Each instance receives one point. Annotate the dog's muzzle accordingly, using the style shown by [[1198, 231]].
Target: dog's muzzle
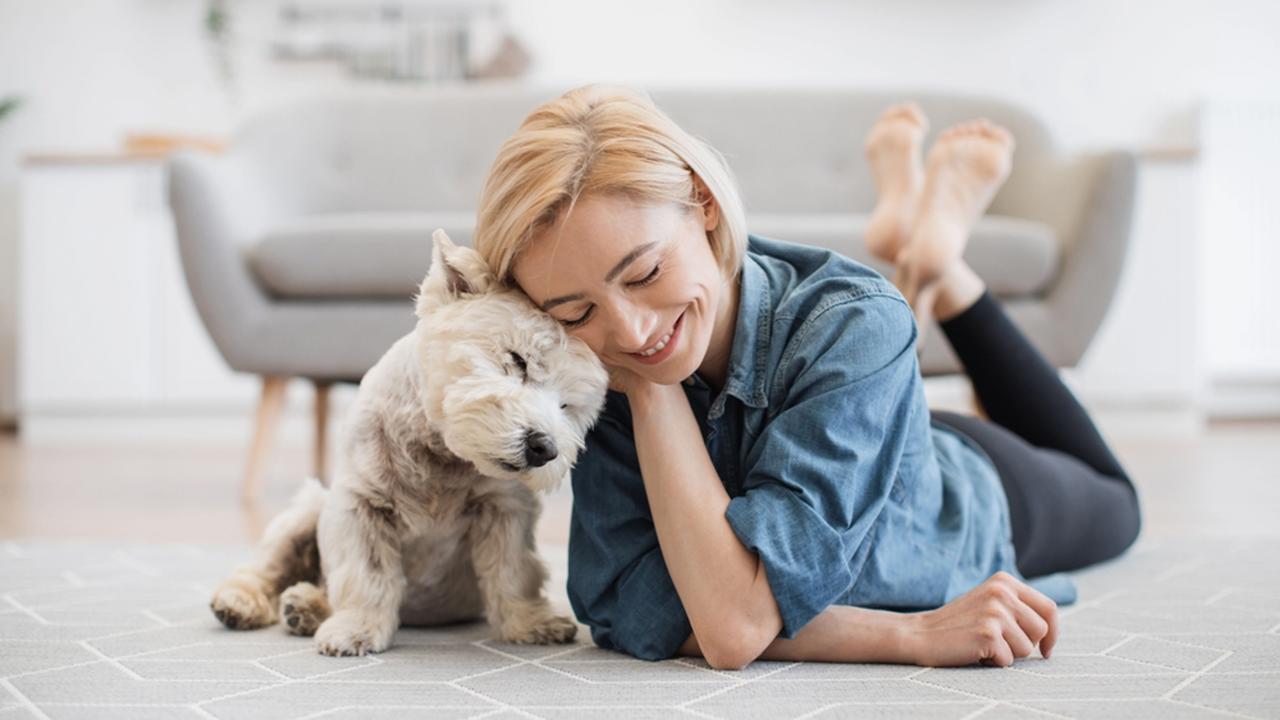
[[539, 448]]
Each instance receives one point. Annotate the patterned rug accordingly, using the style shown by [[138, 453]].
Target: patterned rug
[[1173, 629]]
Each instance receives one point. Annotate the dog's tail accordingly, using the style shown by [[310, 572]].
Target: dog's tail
[[287, 554], [303, 510], [289, 546]]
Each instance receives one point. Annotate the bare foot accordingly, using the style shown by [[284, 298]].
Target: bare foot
[[893, 152], [966, 166]]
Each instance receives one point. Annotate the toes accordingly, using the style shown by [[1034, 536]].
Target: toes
[[981, 127], [1000, 134], [891, 112], [897, 115], [903, 111], [967, 129]]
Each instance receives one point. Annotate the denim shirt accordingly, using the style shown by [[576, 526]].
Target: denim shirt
[[822, 438]]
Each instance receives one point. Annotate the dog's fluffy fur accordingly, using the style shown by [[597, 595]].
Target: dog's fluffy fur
[[431, 516]]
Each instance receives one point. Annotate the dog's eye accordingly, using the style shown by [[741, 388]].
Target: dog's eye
[[564, 407], [520, 363]]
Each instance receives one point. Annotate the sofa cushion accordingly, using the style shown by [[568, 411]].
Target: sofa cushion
[[355, 255], [386, 255], [1015, 257]]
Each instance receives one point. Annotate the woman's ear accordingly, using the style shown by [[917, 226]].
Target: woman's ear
[[710, 209]]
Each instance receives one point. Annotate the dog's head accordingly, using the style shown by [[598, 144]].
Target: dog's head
[[509, 390]]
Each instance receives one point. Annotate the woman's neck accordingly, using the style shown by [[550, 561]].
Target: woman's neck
[[715, 365]]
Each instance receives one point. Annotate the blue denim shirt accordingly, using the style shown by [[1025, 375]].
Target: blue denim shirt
[[837, 476]]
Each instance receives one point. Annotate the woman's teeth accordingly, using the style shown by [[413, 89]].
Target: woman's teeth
[[658, 347]]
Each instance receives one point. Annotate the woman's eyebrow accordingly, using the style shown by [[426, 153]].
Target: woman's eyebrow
[[615, 272], [627, 260]]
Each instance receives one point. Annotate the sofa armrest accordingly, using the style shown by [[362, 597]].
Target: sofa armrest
[[216, 209], [1093, 263]]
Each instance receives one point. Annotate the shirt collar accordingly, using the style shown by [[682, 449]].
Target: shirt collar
[[751, 335]]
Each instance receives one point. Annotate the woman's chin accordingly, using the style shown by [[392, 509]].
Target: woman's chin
[[671, 372]]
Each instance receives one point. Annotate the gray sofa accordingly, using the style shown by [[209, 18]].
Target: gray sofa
[[304, 241]]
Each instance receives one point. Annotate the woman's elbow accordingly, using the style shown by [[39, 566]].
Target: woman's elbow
[[733, 647]]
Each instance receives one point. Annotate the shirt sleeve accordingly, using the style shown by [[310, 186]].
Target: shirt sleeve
[[618, 581], [823, 466]]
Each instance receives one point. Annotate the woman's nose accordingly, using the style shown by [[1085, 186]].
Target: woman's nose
[[633, 326]]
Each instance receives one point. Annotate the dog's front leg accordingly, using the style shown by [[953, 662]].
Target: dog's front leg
[[512, 575], [360, 551]]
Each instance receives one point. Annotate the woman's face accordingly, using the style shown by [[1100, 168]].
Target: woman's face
[[638, 283]]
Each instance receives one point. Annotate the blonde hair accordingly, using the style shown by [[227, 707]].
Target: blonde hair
[[600, 139]]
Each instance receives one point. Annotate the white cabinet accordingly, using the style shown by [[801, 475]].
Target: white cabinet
[[105, 321]]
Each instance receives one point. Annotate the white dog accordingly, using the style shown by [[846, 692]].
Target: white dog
[[431, 516]]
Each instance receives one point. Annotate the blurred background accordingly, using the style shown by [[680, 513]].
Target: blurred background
[[113, 395]]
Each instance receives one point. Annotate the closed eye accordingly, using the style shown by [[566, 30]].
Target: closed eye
[[520, 362], [653, 275], [642, 282]]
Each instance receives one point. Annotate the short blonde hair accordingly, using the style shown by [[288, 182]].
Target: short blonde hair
[[600, 139]]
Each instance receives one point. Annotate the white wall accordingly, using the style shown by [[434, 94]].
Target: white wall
[[1103, 73]]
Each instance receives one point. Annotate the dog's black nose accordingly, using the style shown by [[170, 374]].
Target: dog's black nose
[[539, 448]]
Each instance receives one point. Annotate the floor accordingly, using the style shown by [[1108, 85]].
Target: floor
[[108, 555]]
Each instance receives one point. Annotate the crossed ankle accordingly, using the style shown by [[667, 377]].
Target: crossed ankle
[[958, 289]]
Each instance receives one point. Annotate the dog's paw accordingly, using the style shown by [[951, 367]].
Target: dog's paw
[[240, 606], [352, 632], [302, 608], [540, 631]]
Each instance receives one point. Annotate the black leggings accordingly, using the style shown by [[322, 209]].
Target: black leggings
[[1070, 502]]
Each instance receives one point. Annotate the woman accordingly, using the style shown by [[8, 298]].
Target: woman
[[766, 480]]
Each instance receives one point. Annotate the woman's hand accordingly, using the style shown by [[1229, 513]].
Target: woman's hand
[[993, 623], [627, 382]]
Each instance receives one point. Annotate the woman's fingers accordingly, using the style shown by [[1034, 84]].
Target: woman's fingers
[[1034, 626], [1016, 637], [1001, 653], [1027, 617], [1047, 610]]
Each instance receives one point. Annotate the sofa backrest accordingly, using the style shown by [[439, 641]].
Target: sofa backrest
[[791, 150]]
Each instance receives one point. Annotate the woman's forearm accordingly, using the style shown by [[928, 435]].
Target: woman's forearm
[[721, 583], [841, 634]]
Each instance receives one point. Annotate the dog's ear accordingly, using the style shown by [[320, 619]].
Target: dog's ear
[[455, 272]]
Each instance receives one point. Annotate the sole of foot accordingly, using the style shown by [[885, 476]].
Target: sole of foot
[[965, 168], [893, 154]]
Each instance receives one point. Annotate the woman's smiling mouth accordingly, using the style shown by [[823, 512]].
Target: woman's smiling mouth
[[662, 349]]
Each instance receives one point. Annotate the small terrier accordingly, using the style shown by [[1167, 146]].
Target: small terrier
[[431, 515]]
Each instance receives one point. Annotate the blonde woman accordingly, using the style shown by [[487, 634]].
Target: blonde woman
[[766, 480]]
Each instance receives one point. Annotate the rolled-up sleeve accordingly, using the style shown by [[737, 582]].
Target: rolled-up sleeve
[[822, 468], [618, 581]]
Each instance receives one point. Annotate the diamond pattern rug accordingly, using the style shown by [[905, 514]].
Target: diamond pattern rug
[[1173, 629]]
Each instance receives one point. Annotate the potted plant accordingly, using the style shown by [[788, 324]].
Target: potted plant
[[8, 105]]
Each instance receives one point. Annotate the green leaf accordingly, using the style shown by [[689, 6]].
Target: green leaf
[[8, 105]]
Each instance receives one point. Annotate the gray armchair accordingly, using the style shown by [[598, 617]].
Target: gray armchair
[[303, 243]]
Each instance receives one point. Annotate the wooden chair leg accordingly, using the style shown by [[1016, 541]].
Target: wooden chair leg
[[264, 429], [322, 426]]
